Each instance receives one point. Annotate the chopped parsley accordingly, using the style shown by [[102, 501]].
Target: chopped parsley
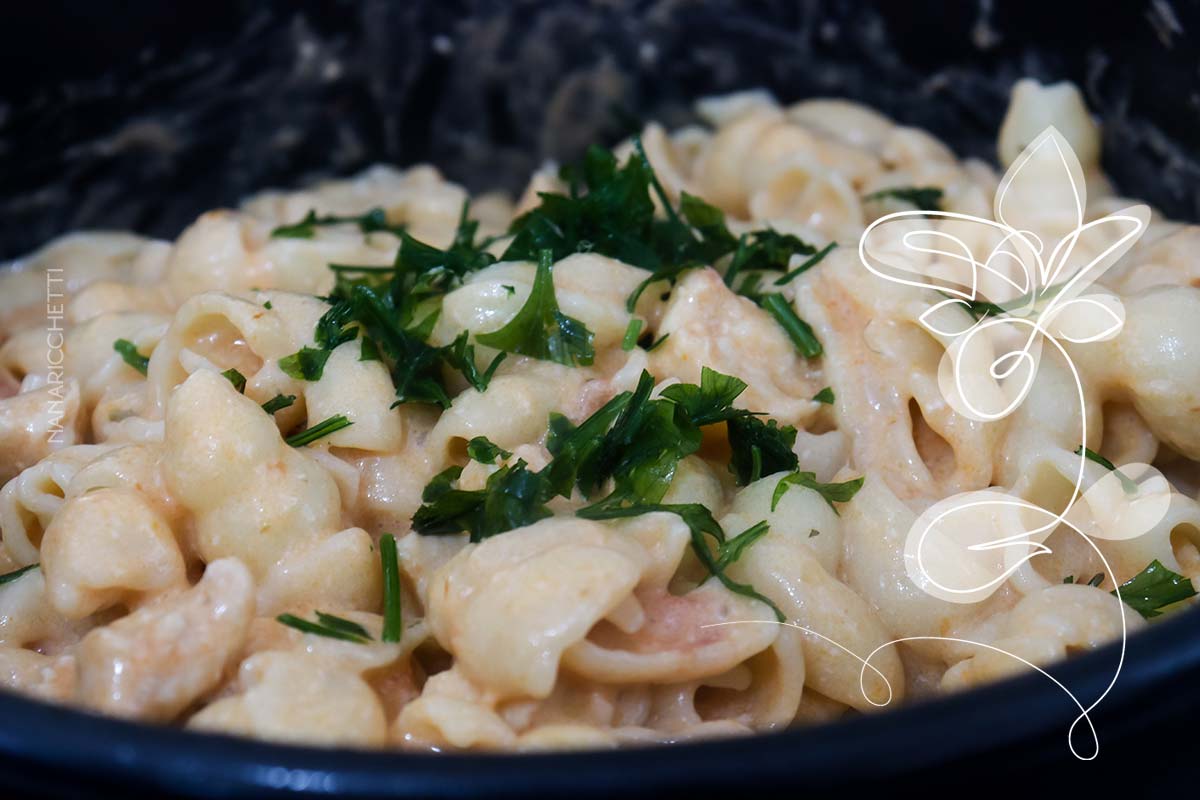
[[329, 626], [131, 356], [1128, 484], [925, 198], [485, 451], [830, 492], [236, 378], [760, 448], [825, 396], [278, 403], [657, 342], [807, 265], [513, 497], [370, 222], [267, 305], [322, 428], [609, 209], [633, 445], [539, 329], [9, 577], [712, 400], [394, 309], [390, 564], [632, 332], [1153, 589]]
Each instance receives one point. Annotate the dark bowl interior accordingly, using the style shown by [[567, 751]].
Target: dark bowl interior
[[143, 115]]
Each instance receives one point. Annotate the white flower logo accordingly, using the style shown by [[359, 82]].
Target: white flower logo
[[1011, 287]]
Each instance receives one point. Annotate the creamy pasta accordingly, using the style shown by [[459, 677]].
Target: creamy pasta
[[365, 464]]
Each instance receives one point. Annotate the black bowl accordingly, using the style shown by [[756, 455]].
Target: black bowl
[[143, 117]]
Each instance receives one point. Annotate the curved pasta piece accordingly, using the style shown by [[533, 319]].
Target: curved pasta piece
[[711, 326], [298, 698], [784, 567], [362, 392], [419, 198], [108, 547], [29, 501], [141, 666], [1042, 628], [884, 371], [229, 251], [218, 331], [252, 496], [48, 678], [27, 619], [510, 639], [37, 423]]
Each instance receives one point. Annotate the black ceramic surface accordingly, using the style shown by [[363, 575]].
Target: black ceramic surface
[[142, 115]]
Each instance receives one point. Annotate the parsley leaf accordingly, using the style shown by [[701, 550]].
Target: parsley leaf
[[322, 428], [390, 565], [513, 497], [306, 364], [460, 355], [1153, 589], [815, 259], [485, 451], [1128, 484], [632, 331], [394, 309], [329, 626], [237, 379], [731, 550], [760, 448], [712, 400], [925, 198], [370, 222], [9, 577], [825, 396], [831, 492], [540, 330], [278, 403], [131, 356]]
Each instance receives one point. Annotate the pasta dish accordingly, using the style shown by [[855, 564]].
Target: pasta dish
[[633, 458]]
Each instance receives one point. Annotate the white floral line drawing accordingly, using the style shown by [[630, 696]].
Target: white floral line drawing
[[963, 548]]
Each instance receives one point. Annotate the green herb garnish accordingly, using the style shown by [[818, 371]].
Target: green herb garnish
[[925, 198], [1128, 484], [394, 309], [540, 330], [632, 331], [712, 400], [322, 428], [831, 492], [278, 403], [390, 564], [236, 378], [329, 626], [370, 222], [131, 356], [760, 448], [1153, 589], [807, 265], [825, 396], [485, 451], [9, 577], [513, 497]]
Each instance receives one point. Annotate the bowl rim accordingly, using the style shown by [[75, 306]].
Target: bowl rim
[[89, 747]]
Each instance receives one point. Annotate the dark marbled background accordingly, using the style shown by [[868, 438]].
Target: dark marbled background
[[140, 115]]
